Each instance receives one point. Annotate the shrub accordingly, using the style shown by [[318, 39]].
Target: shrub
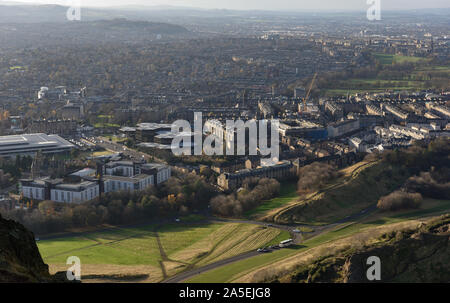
[[400, 200], [314, 176], [426, 185]]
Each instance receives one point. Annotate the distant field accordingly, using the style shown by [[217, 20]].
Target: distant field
[[388, 59], [414, 81], [183, 246], [102, 153], [104, 125], [115, 139]]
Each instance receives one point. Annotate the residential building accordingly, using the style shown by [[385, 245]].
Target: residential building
[[231, 181], [59, 191]]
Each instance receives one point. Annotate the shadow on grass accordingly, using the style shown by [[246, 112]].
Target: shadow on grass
[[124, 278]]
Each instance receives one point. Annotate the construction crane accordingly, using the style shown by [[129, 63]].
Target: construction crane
[[308, 93]]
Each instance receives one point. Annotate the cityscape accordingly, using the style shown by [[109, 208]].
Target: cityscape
[[160, 144]]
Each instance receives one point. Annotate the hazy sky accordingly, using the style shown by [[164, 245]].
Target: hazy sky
[[263, 4]]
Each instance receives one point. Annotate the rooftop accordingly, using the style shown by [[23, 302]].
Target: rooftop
[[33, 143]]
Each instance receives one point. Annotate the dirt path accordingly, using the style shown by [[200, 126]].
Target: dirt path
[[162, 254]]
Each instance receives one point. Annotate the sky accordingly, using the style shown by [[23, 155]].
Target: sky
[[261, 4]]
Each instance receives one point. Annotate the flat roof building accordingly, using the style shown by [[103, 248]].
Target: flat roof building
[[30, 144], [59, 191]]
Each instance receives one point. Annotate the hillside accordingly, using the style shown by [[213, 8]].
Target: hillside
[[49, 32], [346, 196], [421, 254], [360, 190], [20, 260]]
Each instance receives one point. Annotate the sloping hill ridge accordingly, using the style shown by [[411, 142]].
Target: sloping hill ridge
[[20, 260], [420, 255], [346, 198]]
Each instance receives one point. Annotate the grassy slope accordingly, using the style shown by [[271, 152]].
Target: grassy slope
[[288, 193], [377, 220], [347, 199]]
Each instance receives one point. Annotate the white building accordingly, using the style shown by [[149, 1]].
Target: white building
[[75, 193], [30, 144], [120, 168], [58, 191], [128, 175], [161, 172], [117, 183], [342, 128]]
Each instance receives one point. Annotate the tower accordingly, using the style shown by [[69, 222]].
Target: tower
[[36, 165]]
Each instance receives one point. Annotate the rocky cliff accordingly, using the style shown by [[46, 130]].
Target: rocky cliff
[[20, 260]]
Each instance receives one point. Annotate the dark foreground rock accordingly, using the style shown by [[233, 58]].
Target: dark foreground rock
[[20, 260]]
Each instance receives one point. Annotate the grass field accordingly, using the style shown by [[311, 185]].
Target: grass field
[[388, 59], [102, 153], [115, 139], [183, 246], [105, 125]]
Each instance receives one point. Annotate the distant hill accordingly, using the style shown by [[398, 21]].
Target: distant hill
[[122, 24], [32, 13], [25, 35]]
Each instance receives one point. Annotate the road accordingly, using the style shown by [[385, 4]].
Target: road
[[191, 273], [116, 147], [183, 276]]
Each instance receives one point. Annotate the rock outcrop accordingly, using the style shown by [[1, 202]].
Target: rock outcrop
[[20, 260]]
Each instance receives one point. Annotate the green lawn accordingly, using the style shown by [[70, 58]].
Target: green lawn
[[104, 125], [177, 237], [142, 251], [288, 192], [114, 138], [388, 59], [119, 246], [60, 246], [184, 242]]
